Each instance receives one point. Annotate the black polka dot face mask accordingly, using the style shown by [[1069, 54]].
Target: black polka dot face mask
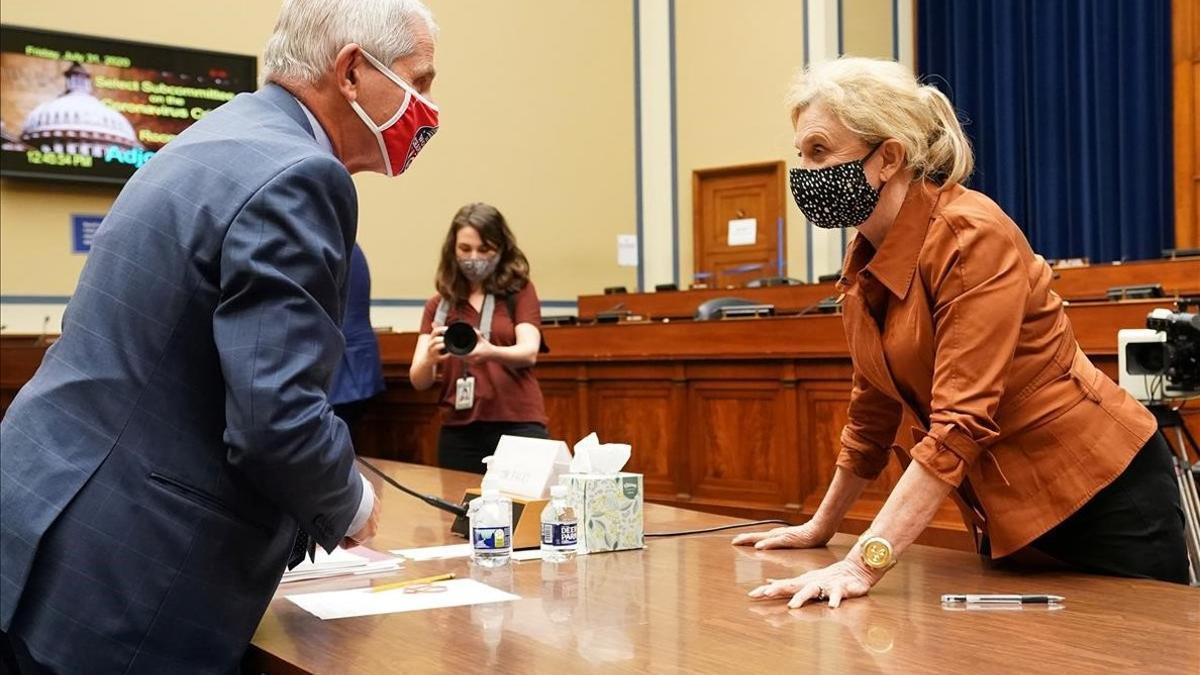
[[835, 196]]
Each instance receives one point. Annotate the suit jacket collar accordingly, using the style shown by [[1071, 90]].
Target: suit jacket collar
[[283, 99]]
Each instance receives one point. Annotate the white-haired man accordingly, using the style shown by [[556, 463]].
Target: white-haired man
[[176, 449]]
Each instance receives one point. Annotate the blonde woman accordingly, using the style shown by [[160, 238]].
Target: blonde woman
[[949, 317]]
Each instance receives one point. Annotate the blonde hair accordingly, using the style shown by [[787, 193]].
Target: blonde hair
[[878, 100]]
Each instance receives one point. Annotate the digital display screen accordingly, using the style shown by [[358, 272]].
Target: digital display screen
[[76, 107]]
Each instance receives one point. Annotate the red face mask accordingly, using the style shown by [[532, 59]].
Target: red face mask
[[401, 137]]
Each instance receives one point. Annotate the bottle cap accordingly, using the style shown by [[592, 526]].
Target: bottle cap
[[558, 491]]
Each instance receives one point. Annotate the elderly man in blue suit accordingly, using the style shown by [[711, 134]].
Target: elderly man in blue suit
[[176, 449]]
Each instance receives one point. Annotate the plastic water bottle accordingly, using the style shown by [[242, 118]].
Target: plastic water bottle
[[491, 528], [560, 527]]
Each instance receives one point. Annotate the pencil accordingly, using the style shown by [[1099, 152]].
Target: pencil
[[413, 582]]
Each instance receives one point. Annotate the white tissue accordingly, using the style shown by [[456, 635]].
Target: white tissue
[[592, 457]]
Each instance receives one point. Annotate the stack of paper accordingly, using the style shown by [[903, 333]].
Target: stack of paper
[[342, 562]]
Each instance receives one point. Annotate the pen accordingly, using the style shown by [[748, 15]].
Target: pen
[[1003, 599], [413, 582]]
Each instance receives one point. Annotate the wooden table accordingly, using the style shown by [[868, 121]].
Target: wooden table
[[680, 606]]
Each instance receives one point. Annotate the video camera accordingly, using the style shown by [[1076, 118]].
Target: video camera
[[1162, 360]]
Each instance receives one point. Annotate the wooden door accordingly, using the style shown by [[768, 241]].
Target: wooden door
[[724, 202]]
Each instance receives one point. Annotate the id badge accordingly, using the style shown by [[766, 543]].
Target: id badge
[[464, 393]]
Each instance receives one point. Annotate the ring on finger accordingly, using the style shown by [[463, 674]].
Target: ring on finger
[[821, 594]]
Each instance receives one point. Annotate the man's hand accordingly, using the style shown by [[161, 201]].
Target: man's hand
[[368, 531]]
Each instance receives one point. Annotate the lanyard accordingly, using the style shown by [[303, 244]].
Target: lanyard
[[485, 315]]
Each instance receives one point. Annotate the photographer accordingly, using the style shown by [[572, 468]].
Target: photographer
[[488, 390]]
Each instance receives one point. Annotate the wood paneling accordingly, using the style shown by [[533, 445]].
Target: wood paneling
[[564, 407], [741, 444], [683, 304], [1178, 277], [641, 414], [20, 357], [1185, 29], [400, 424], [822, 414]]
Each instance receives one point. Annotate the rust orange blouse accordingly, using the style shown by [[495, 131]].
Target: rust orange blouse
[[953, 320]]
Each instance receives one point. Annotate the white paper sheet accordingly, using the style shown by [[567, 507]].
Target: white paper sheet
[[362, 602], [743, 232], [527, 467], [627, 250], [434, 552]]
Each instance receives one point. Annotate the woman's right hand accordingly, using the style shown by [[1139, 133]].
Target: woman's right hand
[[808, 535], [437, 345]]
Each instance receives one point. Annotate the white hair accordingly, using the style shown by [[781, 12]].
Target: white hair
[[310, 33], [879, 99]]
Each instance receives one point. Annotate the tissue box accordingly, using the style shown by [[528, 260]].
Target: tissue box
[[609, 508]]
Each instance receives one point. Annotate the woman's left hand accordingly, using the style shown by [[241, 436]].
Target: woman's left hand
[[484, 351], [843, 579]]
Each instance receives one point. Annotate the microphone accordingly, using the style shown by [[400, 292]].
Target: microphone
[[435, 502], [612, 314], [43, 339]]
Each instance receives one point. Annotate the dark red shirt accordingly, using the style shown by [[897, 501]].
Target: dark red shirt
[[502, 393]]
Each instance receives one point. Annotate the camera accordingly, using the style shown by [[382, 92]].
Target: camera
[[1163, 359], [460, 338]]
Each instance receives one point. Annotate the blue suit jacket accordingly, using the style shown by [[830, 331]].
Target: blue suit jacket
[[155, 468], [360, 374]]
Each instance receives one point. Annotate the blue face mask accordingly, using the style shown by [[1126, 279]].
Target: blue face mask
[[836, 196]]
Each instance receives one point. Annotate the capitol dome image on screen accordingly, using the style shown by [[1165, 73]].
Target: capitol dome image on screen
[[76, 122]]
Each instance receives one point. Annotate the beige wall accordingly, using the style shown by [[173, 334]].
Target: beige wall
[[734, 64], [867, 28], [537, 118]]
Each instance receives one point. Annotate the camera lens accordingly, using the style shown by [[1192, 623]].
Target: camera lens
[[1147, 358], [460, 338]]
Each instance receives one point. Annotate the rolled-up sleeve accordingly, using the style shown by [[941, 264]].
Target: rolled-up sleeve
[[979, 290], [870, 431]]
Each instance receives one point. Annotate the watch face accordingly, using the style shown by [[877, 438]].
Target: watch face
[[877, 554]]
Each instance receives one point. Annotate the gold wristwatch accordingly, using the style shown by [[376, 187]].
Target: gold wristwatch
[[876, 552]]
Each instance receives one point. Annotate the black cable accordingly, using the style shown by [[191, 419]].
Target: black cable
[[435, 502], [706, 530]]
